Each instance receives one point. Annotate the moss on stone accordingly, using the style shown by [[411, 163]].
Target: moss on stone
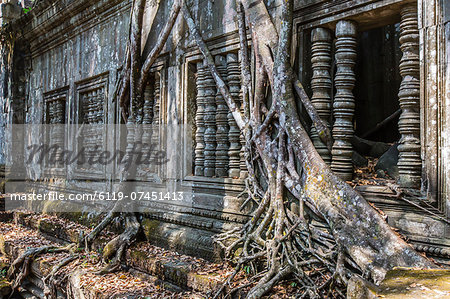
[[109, 250], [201, 282], [3, 266], [138, 255], [149, 226], [404, 283]]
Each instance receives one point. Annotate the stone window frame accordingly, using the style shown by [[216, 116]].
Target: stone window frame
[[50, 96], [372, 14], [230, 44], [160, 67], [98, 81], [367, 14]]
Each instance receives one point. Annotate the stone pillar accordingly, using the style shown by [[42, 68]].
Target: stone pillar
[[409, 162], [210, 125], [58, 133], [344, 102], [222, 123], [234, 132], [321, 84], [199, 121]]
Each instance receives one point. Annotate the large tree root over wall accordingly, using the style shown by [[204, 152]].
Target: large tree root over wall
[[292, 188]]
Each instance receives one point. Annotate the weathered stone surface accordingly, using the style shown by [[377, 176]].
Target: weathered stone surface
[[180, 238], [403, 284], [172, 270], [71, 43], [369, 148], [344, 101], [359, 160], [410, 162], [387, 164], [359, 288], [168, 270], [9, 11]]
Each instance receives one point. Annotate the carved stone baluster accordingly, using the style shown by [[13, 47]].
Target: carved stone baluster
[[242, 164], [321, 84], [131, 126], [199, 121], [51, 116], [60, 111], [84, 110], [234, 132], [148, 104], [100, 100], [92, 107], [59, 129], [51, 121], [84, 107], [222, 123], [156, 112], [157, 103], [344, 103], [92, 119], [410, 162], [99, 113], [210, 124], [147, 120]]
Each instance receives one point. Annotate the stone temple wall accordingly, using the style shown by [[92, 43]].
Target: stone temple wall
[[67, 45], [75, 44]]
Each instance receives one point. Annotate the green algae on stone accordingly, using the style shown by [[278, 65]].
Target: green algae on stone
[[403, 283], [5, 288], [149, 226]]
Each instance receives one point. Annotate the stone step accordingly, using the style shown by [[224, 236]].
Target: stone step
[[81, 278], [169, 270], [185, 271]]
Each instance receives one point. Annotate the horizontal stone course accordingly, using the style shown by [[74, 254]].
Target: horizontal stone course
[[164, 268]]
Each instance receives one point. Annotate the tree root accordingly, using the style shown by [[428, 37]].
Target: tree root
[[20, 268], [87, 240], [51, 282], [115, 249], [305, 216]]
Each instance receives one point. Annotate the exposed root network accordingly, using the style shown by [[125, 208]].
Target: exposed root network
[[307, 224]]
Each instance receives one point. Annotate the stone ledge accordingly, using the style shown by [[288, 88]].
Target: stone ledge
[[169, 271], [141, 284], [172, 270], [56, 230]]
